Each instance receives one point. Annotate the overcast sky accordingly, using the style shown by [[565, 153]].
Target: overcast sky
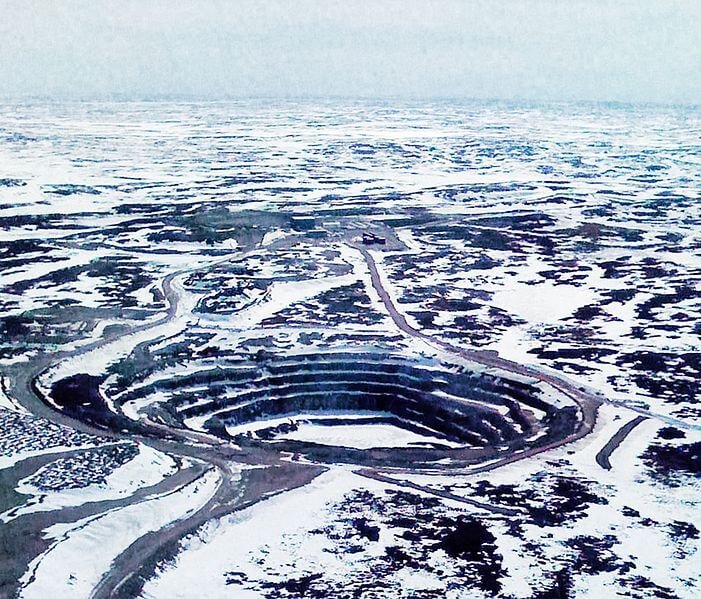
[[637, 50]]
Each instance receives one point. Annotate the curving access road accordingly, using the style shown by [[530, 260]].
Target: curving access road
[[234, 491], [588, 403]]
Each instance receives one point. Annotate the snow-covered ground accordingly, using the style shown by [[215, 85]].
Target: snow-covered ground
[[81, 552], [146, 469], [564, 237], [274, 530], [360, 436]]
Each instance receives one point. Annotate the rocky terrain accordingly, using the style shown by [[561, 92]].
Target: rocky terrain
[[292, 349]]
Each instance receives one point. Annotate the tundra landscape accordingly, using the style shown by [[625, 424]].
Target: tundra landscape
[[363, 349]]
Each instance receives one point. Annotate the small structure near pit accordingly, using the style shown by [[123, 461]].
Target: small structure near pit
[[303, 223], [372, 239]]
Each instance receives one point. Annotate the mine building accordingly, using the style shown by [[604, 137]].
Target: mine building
[[372, 239], [303, 223]]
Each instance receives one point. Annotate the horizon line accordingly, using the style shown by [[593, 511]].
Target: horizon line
[[118, 97]]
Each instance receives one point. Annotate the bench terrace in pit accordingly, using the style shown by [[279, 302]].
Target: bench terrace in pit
[[478, 415]]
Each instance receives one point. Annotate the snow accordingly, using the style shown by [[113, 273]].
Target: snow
[[271, 236], [455, 163], [7, 402], [81, 552], [282, 294], [544, 303], [95, 362], [8, 461], [625, 485], [147, 469], [360, 436], [235, 542]]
